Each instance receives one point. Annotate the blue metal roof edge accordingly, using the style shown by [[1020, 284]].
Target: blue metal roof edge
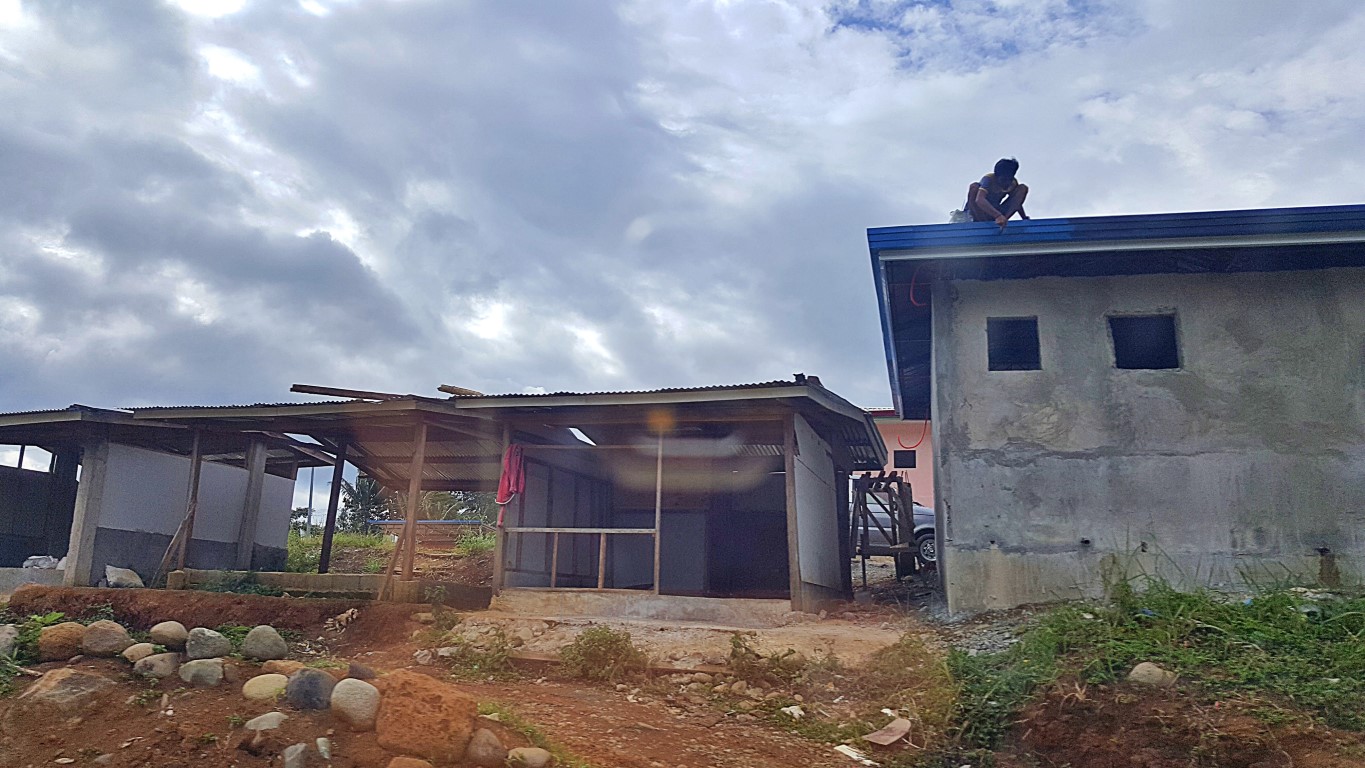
[[884, 313], [1101, 229]]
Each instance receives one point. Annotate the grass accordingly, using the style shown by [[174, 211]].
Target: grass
[[491, 657], [514, 721], [476, 544], [242, 584], [602, 653], [305, 551]]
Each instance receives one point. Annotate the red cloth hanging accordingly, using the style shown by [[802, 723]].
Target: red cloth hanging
[[513, 480]]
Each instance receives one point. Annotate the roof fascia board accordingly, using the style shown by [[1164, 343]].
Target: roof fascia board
[[884, 314], [301, 409], [631, 398], [1053, 247]]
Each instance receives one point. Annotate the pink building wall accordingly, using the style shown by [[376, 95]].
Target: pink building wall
[[899, 436]]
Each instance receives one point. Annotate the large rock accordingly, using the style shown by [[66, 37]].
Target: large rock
[[65, 690], [138, 651], [486, 750], [202, 673], [158, 665], [122, 578], [267, 722], [356, 703], [529, 757], [408, 762], [1148, 673], [284, 667], [105, 638], [60, 641], [295, 756], [9, 636], [263, 687], [264, 643], [206, 644], [422, 716], [171, 634], [310, 689]]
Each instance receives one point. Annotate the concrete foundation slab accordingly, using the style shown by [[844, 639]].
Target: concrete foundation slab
[[735, 612], [13, 578]]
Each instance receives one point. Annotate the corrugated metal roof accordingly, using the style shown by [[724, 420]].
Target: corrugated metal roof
[[663, 391]]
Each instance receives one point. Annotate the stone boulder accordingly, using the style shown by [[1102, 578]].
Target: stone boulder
[[310, 689], [486, 750], [138, 651], [284, 667], [356, 703], [105, 638], [263, 687], [66, 690], [529, 757], [9, 637], [202, 673], [171, 634], [60, 641], [408, 762], [264, 643], [203, 643], [158, 665], [1148, 673], [422, 716]]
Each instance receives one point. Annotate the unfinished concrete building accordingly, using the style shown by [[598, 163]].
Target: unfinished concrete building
[[117, 489], [629, 503], [1180, 395]]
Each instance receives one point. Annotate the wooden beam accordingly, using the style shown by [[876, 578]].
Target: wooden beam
[[333, 501], [192, 502], [499, 537], [451, 389], [554, 561], [414, 496], [251, 504], [602, 561], [350, 394]]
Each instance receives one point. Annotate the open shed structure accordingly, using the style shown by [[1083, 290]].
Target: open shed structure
[[1172, 394], [144, 495], [714, 492]]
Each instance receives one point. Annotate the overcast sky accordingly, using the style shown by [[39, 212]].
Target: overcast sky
[[206, 201]]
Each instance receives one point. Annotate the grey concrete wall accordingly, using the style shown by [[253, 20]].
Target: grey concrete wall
[[1239, 466], [23, 507]]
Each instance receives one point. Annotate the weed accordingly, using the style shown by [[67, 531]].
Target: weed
[[491, 657], [305, 551], [9, 669], [236, 634], [100, 612], [374, 565], [748, 664], [513, 721], [602, 653], [208, 739], [241, 584], [146, 696], [235, 720], [476, 544], [26, 646], [435, 595]]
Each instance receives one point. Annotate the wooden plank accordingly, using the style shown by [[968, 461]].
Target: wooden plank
[[583, 530], [554, 562], [333, 501], [414, 496], [352, 394], [500, 539]]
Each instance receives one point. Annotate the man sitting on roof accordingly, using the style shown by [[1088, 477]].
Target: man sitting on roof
[[998, 195]]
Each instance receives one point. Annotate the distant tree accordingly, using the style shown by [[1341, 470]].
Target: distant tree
[[299, 521], [364, 500], [476, 505]]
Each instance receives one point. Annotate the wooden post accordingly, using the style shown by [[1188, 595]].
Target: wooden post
[[601, 560], [251, 504], [419, 454], [393, 563], [333, 500], [793, 551], [500, 537], [192, 502], [658, 508], [80, 555], [20, 465], [554, 561]]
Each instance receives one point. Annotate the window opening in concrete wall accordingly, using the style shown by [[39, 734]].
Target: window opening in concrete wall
[[1144, 341], [903, 459], [1012, 344]]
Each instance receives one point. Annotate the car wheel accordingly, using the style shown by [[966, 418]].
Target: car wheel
[[926, 549]]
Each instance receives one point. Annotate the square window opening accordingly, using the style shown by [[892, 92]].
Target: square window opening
[[903, 459], [1144, 342], [1012, 344]]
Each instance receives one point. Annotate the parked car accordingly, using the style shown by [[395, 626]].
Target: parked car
[[924, 546]]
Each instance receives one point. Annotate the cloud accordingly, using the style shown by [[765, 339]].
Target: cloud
[[206, 202]]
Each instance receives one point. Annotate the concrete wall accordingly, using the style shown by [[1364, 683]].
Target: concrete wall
[[144, 501], [23, 505], [1240, 465], [921, 477]]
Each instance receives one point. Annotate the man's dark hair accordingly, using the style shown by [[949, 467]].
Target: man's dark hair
[[1006, 168]]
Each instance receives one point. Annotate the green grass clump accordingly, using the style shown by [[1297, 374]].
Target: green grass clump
[[602, 653], [241, 584], [476, 544], [489, 657], [533, 734], [304, 552]]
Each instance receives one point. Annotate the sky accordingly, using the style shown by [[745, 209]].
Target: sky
[[206, 201]]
